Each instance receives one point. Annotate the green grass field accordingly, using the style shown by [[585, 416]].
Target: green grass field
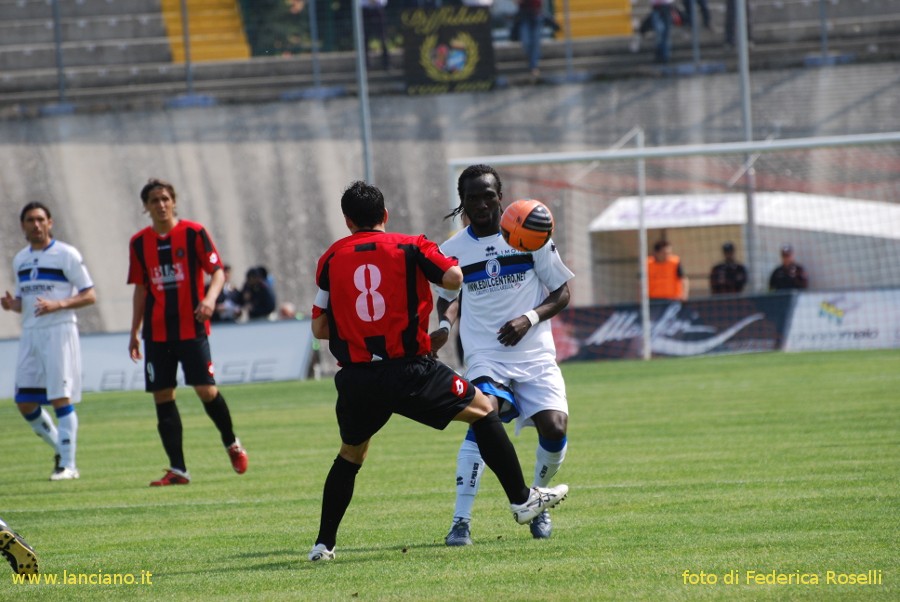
[[770, 462]]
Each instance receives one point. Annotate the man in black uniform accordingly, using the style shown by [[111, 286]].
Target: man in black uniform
[[790, 274], [728, 276]]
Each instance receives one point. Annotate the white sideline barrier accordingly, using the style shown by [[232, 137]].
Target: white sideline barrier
[[242, 353], [845, 320]]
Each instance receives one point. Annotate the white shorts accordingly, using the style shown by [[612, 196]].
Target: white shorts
[[50, 359], [537, 385]]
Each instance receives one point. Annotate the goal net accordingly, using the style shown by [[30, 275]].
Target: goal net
[[834, 201]]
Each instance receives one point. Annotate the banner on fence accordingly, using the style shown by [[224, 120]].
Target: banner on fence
[[448, 49], [845, 320], [715, 325], [242, 353]]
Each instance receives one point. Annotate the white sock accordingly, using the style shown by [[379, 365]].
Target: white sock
[[547, 465], [68, 434], [469, 467], [43, 426]]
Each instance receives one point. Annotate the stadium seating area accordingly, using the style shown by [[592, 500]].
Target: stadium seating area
[[120, 53]]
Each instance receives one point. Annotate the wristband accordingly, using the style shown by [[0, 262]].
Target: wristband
[[532, 316], [445, 324]]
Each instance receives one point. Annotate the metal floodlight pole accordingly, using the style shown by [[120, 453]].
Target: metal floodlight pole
[[646, 326], [186, 37], [695, 32], [570, 74], [57, 43], [361, 78], [750, 234], [314, 43], [823, 17]]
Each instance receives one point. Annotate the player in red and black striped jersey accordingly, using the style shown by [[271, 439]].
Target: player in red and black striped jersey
[[373, 306], [168, 264]]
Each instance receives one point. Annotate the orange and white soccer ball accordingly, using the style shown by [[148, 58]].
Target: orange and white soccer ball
[[526, 225]]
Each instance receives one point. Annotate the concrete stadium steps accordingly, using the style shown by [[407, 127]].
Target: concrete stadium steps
[[105, 52], [82, 29], [868, 27], [14, 10], [215, 27], [872, 36], [93, 32], [592, 18], [266, 79], [786, 11]]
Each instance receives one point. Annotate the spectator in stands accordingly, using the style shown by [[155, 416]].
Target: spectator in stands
[[728, 276], [790, 274], [731, 22], [375, 25], [665, 276], [259, 299], [704, 13], [661, 19], [288, 311], [229, 301], [530, 22]]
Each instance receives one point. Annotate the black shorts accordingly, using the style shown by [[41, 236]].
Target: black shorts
[[161, 361], [420, 388]]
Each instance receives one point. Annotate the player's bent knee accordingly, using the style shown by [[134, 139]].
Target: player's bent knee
[[551, 424]]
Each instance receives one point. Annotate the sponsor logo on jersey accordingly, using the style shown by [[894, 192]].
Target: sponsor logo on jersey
[[492, 267], [167, 276], [497, 283], [35, 289]]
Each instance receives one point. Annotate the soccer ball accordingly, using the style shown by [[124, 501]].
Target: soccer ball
[[526, 225]]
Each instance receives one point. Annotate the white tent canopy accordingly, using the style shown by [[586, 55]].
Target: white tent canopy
[[789, 210], [842, 242]]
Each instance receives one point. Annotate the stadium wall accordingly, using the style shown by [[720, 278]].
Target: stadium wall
[[266, 178]]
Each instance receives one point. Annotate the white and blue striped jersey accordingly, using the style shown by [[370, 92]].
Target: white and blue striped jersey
[[499, 284], [56, 272]]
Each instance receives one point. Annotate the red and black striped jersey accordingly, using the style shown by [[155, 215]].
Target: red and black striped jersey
[[379, 297], [172, 268]]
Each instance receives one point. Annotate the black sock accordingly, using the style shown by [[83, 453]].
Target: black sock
[[336, 498], [500, 456], [169, 427], [217, 409]]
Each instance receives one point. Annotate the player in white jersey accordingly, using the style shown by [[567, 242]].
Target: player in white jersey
[[51, 283], [506, 302]]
